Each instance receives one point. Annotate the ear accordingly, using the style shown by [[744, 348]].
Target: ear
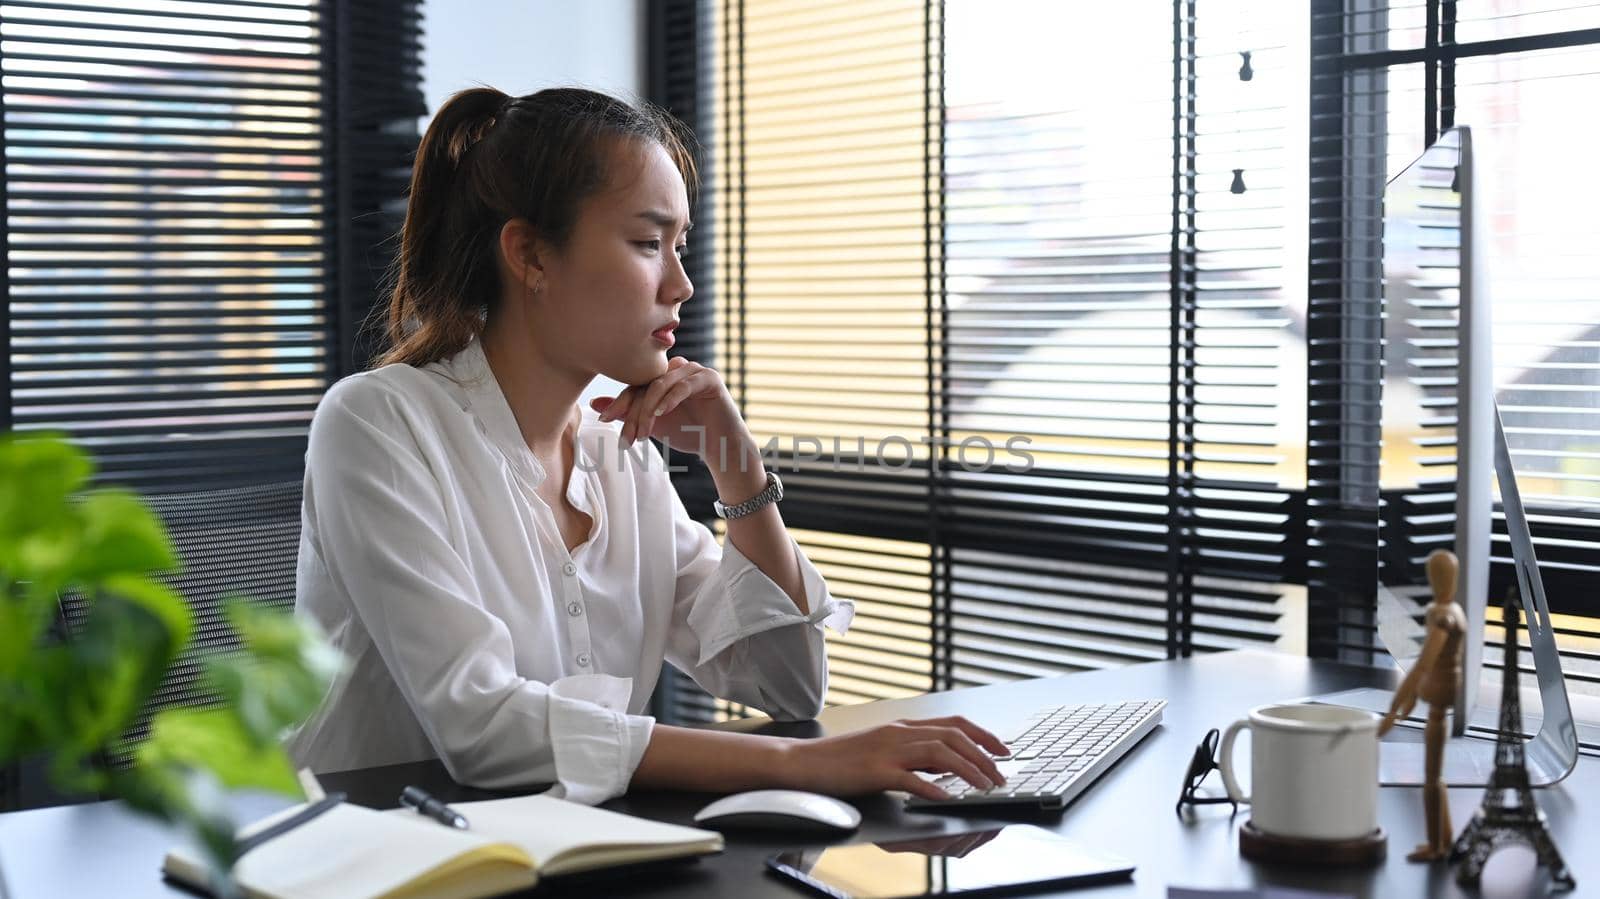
[[519, 248]]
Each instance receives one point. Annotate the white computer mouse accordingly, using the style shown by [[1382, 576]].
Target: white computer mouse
[[788, 810]]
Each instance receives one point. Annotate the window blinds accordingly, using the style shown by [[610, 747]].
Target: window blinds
[[1113, 302], [182, 189], [1386, 81], [977, 320], [824, 264]]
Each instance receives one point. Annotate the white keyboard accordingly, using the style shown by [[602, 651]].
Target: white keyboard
[[1057, 754]]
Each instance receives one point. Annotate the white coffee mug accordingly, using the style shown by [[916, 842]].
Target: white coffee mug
[[1313, 770]]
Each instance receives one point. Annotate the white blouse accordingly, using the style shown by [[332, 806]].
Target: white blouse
[[471, 634]]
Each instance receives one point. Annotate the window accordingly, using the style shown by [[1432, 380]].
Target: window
[[1101, 219], [1015, 365], [1387, 79], [195, 192]]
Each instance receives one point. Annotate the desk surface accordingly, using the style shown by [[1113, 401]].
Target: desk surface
[[100, 849]]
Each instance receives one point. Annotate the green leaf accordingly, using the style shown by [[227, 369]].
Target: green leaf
[[120, 536], [282, 678], [25, 614], [70, 698], [30, 715], [215, 740], [47, 557], [39, 472], [156, 599], [99, 681], [191, 798]]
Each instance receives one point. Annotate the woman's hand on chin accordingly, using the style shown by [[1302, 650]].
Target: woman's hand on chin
[[689, 408]]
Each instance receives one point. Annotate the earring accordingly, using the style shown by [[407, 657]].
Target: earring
[[534, 283]]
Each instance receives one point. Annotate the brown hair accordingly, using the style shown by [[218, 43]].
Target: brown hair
[[487, 158]]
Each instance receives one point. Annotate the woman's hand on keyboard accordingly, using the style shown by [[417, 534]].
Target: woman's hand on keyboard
[[887, 757]]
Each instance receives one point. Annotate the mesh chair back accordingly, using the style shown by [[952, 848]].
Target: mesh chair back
[[237, 542]]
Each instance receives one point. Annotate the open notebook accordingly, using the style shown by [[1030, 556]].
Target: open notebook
[[352, 851]]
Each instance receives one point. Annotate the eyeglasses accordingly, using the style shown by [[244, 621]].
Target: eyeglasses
[[1202, 764]]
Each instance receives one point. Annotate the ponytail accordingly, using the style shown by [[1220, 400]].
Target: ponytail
[[485, 159], [445, 256]]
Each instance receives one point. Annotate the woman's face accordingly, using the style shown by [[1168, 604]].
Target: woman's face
[[610, 297]]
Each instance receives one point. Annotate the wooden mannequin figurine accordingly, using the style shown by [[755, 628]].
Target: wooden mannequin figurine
[[1435, 678]]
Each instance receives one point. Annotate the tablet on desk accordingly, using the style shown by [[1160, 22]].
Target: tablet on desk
[[1006, 859]]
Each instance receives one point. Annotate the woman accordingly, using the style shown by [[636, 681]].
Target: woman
[[505, 571]]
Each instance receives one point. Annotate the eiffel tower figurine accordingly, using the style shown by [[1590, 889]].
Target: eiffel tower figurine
[[1508, 813]]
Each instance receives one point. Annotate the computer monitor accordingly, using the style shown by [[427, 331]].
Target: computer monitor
[[1443, 450], [1438, 396]]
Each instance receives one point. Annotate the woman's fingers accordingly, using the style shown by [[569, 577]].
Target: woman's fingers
[[642, 417], [959, 743], [675, 397], [636, 423], [663, 395], [983, 737], [941, 757], [889, 757], [619, 406], [916, 786], [636, 407], [978, 735], [654, 402]]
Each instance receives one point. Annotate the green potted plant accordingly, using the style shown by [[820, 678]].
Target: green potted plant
[[70, 697]]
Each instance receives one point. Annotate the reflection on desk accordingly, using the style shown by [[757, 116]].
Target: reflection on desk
[[1020, 855]]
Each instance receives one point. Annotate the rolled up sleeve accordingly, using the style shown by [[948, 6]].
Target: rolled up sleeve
[[382, 526], [595, 747], [740, 636]]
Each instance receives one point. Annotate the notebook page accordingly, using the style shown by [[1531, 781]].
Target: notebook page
[[566, 837], [354, 851]]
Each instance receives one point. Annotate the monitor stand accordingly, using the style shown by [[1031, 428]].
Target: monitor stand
[[1468, 762]]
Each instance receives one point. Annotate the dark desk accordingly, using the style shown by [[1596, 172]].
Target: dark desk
[[99, 849]]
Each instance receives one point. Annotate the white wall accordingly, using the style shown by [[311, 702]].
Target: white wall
[[520, 46]]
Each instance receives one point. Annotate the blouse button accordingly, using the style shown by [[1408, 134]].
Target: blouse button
[[569, 569], [574, 609], [583, 659]]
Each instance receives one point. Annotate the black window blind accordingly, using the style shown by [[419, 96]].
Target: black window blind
[[1114, 300], [1206, 432], [196, 196], [1022, 357], [824, 261]]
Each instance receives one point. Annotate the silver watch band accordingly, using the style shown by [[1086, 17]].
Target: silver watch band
[[770, 494]]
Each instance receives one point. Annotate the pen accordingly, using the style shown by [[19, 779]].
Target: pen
[[418, 798], [245, 844]]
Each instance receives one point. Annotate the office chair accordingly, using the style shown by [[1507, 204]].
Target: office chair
[[240, 541]]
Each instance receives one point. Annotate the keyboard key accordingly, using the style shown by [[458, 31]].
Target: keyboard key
[[1055, 747]]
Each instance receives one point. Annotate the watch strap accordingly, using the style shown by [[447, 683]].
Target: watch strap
[[768, 495]]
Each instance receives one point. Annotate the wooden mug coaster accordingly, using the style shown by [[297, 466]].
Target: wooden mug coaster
[[1264, 847]]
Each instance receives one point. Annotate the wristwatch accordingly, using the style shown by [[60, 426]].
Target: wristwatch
[[771, 494]]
